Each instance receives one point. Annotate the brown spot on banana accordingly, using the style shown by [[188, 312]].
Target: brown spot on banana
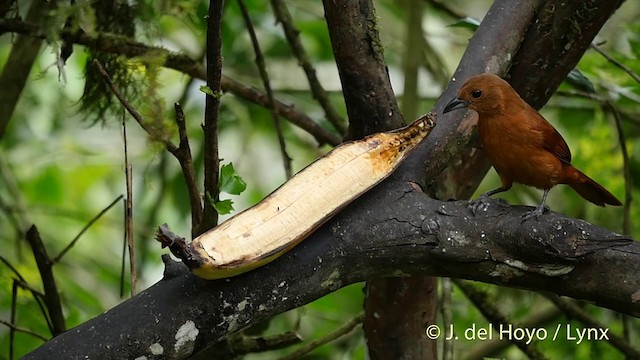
[[288, 215]]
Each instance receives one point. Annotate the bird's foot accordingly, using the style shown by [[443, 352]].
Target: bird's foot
[[479, 204], [535, 214]]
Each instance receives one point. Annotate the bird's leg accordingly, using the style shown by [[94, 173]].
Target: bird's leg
[[481, 202], [539, 210]]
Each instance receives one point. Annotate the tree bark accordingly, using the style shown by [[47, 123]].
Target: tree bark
[[412, 235], [371, 103], [396, 309], [561, 33]]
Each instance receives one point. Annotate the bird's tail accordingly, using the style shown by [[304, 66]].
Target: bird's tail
[[589, 189]]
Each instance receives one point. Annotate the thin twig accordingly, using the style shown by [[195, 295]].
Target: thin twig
[[575, 312], [617, 63], [51, 295], [255, 344], [292, 34], [123, 261], [12, 329], [434, 63], [297, 118], [262, 69], [128, 218], [626, 169], [37, 296], [211, 116], [480, 300], [634, 118], [341, 331], [630, 116], [183, 154], [84, 229], [581, 94], [23, 330], [130, 109], [36, 293], [11, 267]]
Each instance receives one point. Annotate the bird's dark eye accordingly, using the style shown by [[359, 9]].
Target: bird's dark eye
[[476, 93]]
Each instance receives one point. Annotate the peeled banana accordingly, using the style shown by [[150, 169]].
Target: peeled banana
[[288, 215]]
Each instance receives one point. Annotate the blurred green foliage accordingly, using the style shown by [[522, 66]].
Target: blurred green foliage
[[58, 172]]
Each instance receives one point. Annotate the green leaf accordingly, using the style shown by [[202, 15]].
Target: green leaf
[[468, 22], [223, 207], [230, 181], [207, 90], [579, 81]]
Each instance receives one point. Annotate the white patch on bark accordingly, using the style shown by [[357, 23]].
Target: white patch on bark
[[186, 337]]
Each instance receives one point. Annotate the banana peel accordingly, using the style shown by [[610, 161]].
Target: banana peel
[[284, 218]]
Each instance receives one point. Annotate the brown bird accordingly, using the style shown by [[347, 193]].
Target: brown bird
[[521, 145]]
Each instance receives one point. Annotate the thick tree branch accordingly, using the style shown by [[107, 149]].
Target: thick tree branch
[[413, 234], [371, 103], [561, 33]]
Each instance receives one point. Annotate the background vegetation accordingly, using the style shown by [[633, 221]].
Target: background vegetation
[[62, 157]]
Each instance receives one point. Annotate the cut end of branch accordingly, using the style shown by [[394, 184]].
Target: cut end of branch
[[169, 239], [179, 248]]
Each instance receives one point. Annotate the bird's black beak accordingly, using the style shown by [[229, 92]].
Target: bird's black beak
[[455, 103]]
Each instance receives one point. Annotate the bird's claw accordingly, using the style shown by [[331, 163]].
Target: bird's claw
[[479, 204], [535, 214]]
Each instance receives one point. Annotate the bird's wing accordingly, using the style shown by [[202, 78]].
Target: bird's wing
[[552, 141]]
